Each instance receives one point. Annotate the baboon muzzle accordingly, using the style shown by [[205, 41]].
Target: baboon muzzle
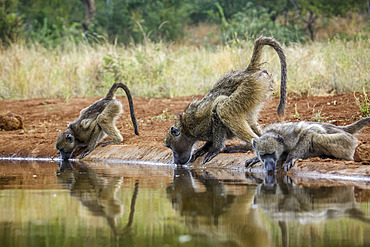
[[65, 156], [269, 164], [180, 159]]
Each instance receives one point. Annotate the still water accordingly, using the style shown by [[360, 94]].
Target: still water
[[101, 204]]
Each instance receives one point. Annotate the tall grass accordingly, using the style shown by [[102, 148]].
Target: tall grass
[[168, 70]]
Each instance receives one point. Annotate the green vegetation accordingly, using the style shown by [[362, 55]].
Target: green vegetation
[[51, 23], [363, 104], [168, 70], [168, 48], [317, 117]]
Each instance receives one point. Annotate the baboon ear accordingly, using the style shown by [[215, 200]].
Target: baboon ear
[[280, 139], [254, 142], [70, 138], [174, 131]]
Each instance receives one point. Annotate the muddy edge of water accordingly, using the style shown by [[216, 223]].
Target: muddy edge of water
[[311, 171]]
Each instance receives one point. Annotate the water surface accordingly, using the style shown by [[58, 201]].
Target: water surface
[[102, 204]]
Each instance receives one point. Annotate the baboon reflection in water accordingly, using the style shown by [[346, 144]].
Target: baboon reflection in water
[[97, 193]]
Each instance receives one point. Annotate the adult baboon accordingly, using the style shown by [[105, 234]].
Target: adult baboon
[[229, 109]]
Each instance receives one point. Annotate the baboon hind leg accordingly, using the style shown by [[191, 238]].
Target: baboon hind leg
[[246, 146], [241, 129], [234, 116], [106, 121], [340, 145]]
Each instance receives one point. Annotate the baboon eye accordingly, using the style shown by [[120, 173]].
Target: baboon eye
[[70, 138], [280, 139], [174, 131]]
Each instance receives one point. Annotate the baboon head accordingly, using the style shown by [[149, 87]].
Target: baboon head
[[180, 143], [65, 145], [268, 148]]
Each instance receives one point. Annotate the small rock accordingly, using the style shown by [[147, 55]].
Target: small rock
[[362, 152], [10, 121]]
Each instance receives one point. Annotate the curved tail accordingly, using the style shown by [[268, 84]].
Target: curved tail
[[256, 64], [356, 126], [111, 94]]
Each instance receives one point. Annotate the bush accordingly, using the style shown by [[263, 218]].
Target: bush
[[254, 21], [10, 21]]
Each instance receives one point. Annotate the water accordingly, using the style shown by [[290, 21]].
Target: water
[[102, 204]]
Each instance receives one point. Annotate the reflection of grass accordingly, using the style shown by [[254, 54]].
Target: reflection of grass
[[167, 70]]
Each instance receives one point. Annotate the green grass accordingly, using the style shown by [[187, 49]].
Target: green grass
[[167, 70], [363, 104]]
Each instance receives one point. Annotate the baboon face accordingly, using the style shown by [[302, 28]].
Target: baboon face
[[180, 144], [65, 145], [268, 148]]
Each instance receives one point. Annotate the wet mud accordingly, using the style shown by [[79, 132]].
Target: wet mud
[[44, 119]]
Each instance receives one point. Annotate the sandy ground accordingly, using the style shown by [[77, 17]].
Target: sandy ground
[[45, 119]]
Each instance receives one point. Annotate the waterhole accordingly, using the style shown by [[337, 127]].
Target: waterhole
[[45, 203]]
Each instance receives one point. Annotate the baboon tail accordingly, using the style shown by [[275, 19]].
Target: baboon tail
[[111, 94], [256, 63], [357, 126]]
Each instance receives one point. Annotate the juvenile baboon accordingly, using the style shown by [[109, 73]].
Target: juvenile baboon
[[291, 141], [94, 123], [229, 109]]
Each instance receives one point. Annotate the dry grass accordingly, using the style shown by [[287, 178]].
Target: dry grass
[[166, 70], [346, 27]]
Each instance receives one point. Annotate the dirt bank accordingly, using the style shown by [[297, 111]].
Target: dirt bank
[[45, 119]]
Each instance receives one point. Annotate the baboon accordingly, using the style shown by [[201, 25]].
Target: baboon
[[94, 123], [229, 109], [291, 141]]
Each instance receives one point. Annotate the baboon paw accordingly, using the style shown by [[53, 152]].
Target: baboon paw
[[104, 144], [250, 162], [209, 156], [288, 180], [82, 155], [194, 157], [288, 164]]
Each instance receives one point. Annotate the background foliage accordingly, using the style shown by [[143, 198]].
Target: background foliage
[[125, 21], [167, 48]]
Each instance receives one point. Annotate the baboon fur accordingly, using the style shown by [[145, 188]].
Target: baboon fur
[[287, 142], [94, 123], [229, 109]]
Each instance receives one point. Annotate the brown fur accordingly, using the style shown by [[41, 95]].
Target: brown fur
[[94, 123], [287, 142], [229, 109]]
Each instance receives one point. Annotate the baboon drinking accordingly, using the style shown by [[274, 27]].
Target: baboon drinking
[[291, 141], [229, 109], [94, 123]]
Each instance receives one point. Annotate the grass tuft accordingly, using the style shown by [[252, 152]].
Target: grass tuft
[[168, 70]]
